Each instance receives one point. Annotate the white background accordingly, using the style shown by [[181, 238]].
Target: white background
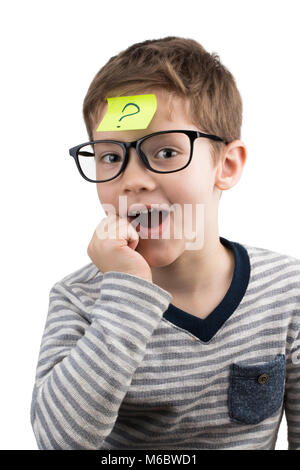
[[50, 52]]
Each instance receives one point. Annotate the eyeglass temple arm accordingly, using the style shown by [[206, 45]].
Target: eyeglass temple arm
[[211, 136]]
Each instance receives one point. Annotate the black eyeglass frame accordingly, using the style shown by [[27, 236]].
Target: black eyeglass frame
[[193, 135]]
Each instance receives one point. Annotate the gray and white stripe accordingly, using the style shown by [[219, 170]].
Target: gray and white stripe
[[113, 373]]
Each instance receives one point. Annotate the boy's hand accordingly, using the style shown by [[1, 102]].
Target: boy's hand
[[112, 248]]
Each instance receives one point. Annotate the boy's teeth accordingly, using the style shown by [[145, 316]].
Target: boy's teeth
[[134, 213]]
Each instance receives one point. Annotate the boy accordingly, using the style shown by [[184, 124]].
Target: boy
[[153, 345]]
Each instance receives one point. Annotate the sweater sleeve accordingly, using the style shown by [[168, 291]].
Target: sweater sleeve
[[292, 390], [86, 362]]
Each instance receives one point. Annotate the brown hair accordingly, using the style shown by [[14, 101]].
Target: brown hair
[[177, 65]]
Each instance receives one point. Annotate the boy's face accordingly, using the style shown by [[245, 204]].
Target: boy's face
[[193, 185]]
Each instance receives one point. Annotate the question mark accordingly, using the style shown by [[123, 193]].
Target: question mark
[[126, 115]]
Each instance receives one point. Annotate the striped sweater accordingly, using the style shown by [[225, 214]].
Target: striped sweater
[[120, 367]]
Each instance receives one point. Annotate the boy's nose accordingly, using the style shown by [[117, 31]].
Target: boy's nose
[[136, 175]]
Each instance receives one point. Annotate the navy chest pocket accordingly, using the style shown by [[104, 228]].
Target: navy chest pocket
[[256, 391]]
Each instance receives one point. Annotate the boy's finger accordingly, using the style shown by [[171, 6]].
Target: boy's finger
[[115, 229], [102, 228], [122, 230]]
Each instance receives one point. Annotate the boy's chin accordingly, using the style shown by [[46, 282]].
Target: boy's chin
[[161, 254]]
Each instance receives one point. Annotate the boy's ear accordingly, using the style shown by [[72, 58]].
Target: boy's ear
[[231, 165]]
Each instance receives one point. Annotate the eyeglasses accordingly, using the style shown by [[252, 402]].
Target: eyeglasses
[[99, 161]]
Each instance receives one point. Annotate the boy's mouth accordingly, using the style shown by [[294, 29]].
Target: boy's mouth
[[148, 215], [149, 219]]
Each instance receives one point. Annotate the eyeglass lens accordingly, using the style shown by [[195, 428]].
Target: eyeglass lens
[[165, 152]]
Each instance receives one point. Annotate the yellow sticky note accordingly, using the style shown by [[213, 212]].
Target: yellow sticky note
[[128, 112]]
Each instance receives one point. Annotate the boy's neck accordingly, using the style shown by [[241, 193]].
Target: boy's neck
[[197, 271]]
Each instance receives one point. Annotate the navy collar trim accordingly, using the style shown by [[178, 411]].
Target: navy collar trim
[[205, 329]]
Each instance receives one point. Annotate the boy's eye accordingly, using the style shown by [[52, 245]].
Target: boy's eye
[[110, 158], [167, 153]]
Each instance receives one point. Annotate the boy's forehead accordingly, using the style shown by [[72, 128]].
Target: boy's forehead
[[172, 112]]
